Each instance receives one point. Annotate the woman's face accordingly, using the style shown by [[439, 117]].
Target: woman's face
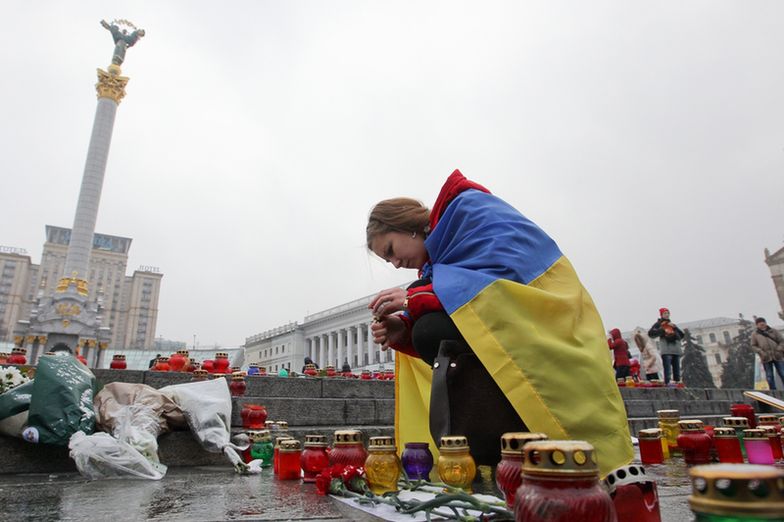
[[400, 249]]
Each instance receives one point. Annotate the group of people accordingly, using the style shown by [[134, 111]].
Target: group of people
[[653, 360]]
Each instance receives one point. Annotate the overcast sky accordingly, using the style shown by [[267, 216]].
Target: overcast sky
[[647, 138]]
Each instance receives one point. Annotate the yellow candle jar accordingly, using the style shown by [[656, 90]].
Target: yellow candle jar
[[382, 465], [668, 423], [456, 466]]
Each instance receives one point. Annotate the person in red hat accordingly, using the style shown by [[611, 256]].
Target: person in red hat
[[669, 336]]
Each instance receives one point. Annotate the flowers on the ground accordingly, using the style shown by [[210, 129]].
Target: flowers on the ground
[[11, 377], [337, 479]]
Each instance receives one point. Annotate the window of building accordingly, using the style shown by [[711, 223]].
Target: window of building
[[727, 338], [718, 358], [282, 349], [712, 337]]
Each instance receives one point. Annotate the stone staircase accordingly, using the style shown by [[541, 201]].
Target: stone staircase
[[323, 405]]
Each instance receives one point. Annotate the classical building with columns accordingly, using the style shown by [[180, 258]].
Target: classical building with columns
[[331, 337]]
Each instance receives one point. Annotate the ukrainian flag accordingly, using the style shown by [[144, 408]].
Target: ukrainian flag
[[521, 307]]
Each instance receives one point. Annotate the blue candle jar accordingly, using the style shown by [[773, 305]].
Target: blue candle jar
[[417, 460]]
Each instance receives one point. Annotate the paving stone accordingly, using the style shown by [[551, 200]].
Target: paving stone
[[104, 377]]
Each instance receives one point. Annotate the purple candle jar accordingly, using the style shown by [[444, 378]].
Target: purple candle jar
[[417, 461]]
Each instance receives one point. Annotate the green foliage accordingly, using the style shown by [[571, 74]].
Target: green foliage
[[695, 367], [738, 369]]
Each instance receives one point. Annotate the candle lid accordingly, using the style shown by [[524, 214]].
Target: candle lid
[[724, 431], [183, 352], [453, 443], [575, 458], [770, 431], [691, 425], [279, 440], [259, 435], [315, 441], [381, 444], [237, 376], [668, 414], [163, 358], [737, 489], [767, 419], [754, 434], [290, 445], [631, 474], [650, 434], [283, 425], [736, 422], [343, 437], [512, 443]]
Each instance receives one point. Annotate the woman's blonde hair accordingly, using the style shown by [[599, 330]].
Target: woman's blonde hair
[[397, 215]]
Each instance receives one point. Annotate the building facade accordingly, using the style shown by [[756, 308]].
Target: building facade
[[334, 337], [129, 303]]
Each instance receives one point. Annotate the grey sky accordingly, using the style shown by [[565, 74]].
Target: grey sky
[[645, 137]]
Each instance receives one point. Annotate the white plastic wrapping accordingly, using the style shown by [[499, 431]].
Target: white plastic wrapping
[[101, 456]]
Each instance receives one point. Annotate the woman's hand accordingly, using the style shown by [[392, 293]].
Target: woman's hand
[[388, 302], [389, 330]]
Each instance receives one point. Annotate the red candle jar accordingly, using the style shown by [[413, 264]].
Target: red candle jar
[[314, 457], [254, 416], [389, 375], [80, 358], [774, 439], [262, 371], [727, 445], [162, 365], [237, 386], [769, 420], [744, 410], [348, 449], [208, 365], [177, 360], [200, 375], [4, 357], [694, 442], [561, 484], [651, 451], [508, 473], [18, 356], [330, 371], [192, 365], [221, 363], [310, 370], [634, 494], [118, 362], [366, 376], [276, 453], [289, 457]]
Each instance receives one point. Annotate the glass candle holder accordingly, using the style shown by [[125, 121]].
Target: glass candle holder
[[694, 442], [727, 445], [348, 449], [736, 493], [668, 423], [651, 446], [508, 473], [237, 386], [774, 439], [738, 424], [769, 420], [744, 410], [262, 448], [289, 460], [162, 365], [276, 453], [758, 449], [456, 466], [177, 360], [382, 465], [417, 460], [561, 484], [254, 416], [118, 362], [634, 494], [221, 363], [314, 457]]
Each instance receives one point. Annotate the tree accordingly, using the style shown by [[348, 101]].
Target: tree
[[738, 369], [695, 367]]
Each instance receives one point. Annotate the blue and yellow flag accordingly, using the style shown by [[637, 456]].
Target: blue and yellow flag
[[521, 307]]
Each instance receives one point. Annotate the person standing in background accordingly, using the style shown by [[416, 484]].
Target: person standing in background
[[670, 344]]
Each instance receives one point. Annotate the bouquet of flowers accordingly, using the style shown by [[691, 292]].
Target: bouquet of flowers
[[11, 377]]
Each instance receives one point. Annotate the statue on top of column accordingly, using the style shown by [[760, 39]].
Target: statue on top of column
[[122, 38]]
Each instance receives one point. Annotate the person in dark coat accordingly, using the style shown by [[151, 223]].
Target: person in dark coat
[[669, 336]]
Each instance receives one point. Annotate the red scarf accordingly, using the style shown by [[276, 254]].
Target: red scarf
[[455, 184]]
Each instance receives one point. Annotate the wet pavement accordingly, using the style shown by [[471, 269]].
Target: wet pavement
[[217, 493]]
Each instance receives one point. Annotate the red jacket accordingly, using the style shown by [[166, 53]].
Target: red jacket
[[619, 347]]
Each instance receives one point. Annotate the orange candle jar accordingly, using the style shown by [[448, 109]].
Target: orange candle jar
[[456, 466], [382, 465]]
